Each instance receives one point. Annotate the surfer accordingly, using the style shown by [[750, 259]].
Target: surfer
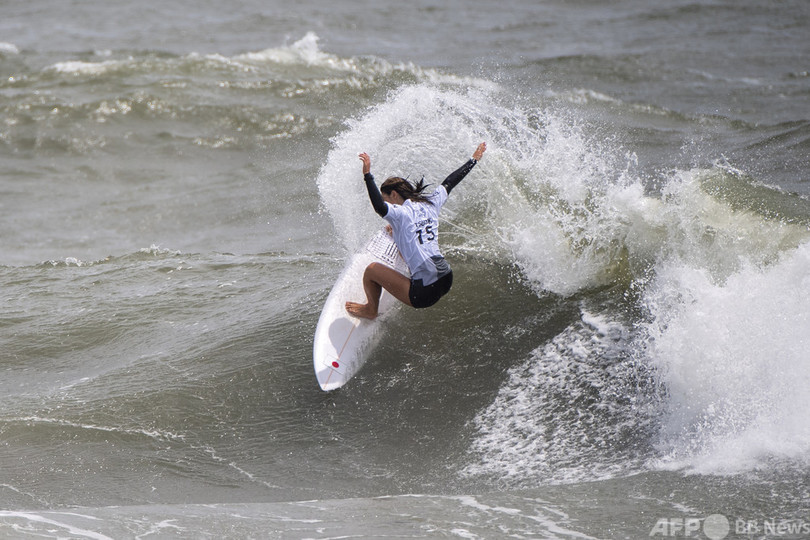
[[413, 218]]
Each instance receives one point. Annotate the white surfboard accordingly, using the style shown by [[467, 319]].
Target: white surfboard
[[342, 342]]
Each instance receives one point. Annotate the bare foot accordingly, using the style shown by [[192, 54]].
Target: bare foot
[[364, 311]]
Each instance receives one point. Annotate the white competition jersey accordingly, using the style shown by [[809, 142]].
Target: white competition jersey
[[416, 232]]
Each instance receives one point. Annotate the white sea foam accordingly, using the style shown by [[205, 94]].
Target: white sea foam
[[78, 67], [8, 49], [157, 251], [734, 356], [303, 51], [419, 130], [568, 413], [541, 196], [153, 434], [729, 313], [54, 525]]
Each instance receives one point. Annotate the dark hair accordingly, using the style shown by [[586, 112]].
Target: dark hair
[[407, 191]]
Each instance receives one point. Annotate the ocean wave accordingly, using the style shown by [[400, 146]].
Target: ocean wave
[[152, 252], [104, 431], [8, 49], [579, 408], [304, 51], [73, 261], [79, 67], [226, 102], [566, 209], [301, 59], [415, 515], [732, 353], [571, 215]]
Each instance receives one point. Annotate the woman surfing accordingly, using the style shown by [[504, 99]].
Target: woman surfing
[[414, 223]]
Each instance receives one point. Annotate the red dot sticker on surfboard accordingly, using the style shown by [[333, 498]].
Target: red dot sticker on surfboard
[[335, 365]]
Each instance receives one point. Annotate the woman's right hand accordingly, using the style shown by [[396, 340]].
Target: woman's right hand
[[479, 152], [366, 159]]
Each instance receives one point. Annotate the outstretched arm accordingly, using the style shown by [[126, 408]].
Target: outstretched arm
[[458, 175], [373, 191]]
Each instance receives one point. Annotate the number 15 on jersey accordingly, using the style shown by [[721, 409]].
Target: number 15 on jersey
[[427, 234]]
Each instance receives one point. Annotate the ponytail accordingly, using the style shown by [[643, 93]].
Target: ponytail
[[406, 190]]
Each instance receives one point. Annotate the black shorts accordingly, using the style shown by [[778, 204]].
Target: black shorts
[[423, 296]]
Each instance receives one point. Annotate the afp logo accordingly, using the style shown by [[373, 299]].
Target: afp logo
[[714, 527]]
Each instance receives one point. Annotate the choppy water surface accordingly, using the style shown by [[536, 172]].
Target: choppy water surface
[[625, 346]]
